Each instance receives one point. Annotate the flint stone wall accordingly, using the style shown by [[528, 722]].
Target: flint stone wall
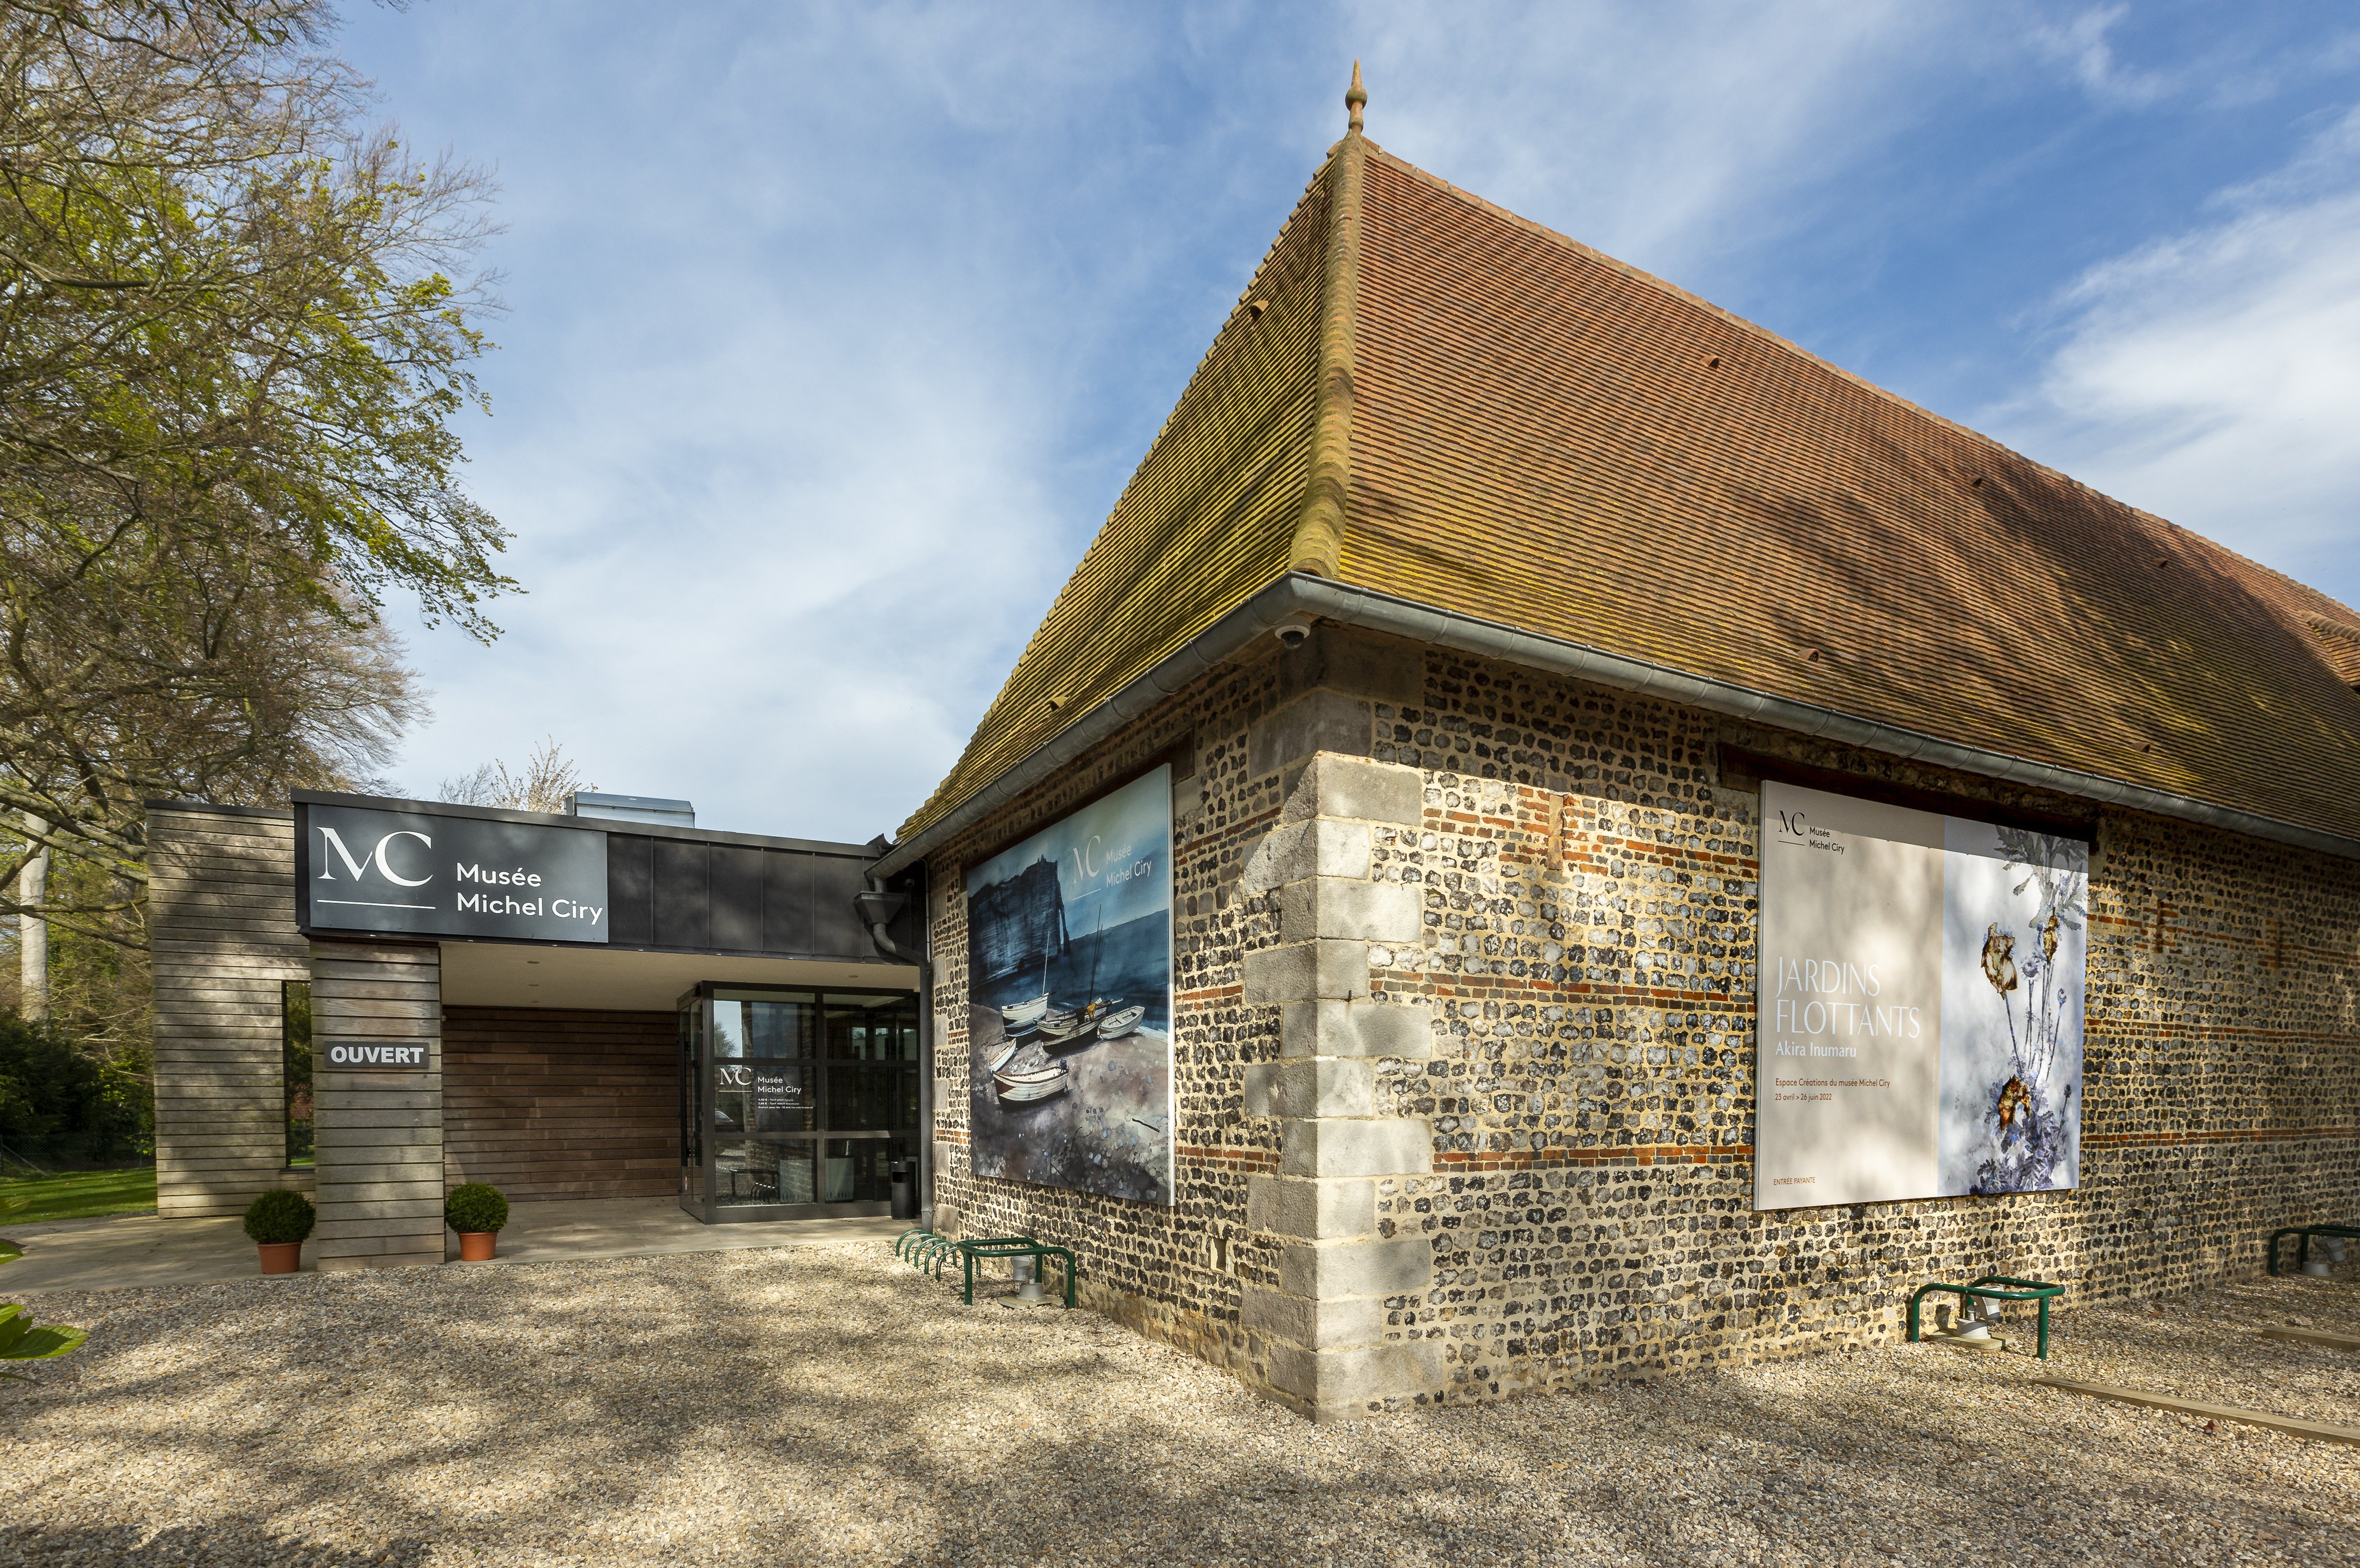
[[1571, 1027]]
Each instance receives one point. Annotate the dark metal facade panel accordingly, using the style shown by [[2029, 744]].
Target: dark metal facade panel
[[630, 890], [684, 895], [736, 882], [788, 917], [837, 928], [734, 898]]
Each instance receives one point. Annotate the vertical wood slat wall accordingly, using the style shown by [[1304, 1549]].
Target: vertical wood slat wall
[[220, 901], [551, 1103], [377, 1134]]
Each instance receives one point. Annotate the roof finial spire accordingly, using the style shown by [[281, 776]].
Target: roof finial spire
[[1356, 98]]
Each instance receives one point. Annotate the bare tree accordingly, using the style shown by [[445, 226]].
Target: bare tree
[[547, 780]]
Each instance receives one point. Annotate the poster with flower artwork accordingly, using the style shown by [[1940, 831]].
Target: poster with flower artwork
[[1919, 1004]]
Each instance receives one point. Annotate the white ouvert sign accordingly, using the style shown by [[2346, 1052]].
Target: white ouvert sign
[[1919, 1003]]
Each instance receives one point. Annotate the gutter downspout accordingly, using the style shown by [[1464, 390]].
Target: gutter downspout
[[875, 898], [1298, 595]]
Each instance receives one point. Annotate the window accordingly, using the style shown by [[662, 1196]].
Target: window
[[807, 1097], [295, 1066]]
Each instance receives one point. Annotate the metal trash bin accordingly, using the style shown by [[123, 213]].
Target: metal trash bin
[[905, 1190]]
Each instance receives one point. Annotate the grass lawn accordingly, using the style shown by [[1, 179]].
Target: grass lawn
[[77, 1195]]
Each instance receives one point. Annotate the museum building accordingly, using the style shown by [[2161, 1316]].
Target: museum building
[[1666, 847], [1552, 836], [376, 1000]]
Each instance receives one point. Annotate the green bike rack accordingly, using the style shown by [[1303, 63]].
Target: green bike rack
[[1014, 1246], [922, 1250], [925, 1250], [1994, 1288], [2350, 1232]]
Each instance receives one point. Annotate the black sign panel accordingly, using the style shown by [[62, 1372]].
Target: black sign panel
[[419, 873]]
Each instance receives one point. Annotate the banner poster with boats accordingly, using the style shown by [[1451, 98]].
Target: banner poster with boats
[[1919, 1004], [1070, 982]]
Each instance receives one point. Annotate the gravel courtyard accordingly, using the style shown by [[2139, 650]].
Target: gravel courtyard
[[825, 1405]]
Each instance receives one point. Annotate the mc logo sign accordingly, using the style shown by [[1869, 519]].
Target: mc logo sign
[[358, 865], [413, 870]]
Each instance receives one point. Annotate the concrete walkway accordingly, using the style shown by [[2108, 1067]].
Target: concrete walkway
[[652, 1227], [131, 1250], [122, 1251]]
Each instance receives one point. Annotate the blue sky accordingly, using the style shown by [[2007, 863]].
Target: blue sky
[[833, 332]]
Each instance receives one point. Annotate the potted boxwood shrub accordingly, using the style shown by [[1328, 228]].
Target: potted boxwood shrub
[[476, 1210], [279, 1221]]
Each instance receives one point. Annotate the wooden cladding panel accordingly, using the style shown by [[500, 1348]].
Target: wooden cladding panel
[[547, 1104], [222, 903], [377, 1135]]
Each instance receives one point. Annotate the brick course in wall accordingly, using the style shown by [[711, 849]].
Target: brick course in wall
[[1586, 870]]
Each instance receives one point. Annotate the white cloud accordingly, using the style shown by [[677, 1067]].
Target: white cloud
[[2081, 45], [774, 416], [837, 330], [2213, 377], [1658, 134]]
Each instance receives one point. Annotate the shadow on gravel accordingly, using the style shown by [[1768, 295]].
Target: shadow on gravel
[[813, 1408], [229, 1544]]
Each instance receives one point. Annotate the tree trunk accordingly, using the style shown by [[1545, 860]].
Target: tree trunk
[[32, 885]]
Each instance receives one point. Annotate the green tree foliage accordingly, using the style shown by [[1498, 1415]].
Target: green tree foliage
[[295, 1067], [98, 1002], [20, 1340], [235, 334], [59, 1103]]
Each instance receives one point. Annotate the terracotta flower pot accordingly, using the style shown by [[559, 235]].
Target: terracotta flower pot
[[281, 1257], [475, 1246]]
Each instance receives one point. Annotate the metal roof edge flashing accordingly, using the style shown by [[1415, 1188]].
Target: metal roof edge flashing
[[1301, 594], [631, 829], [215, 809]]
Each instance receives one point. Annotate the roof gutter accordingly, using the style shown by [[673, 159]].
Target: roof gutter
[[1298, 595]]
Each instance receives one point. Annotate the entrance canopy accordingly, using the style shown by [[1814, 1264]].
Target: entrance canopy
[[508, 974]]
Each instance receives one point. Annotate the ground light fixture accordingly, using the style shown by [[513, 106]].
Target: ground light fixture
[[2329, 1258], [1976, 1320]]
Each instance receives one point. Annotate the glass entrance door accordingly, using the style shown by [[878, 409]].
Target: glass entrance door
[[795, 1102]]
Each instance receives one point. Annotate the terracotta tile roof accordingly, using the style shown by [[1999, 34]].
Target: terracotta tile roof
[[1542, 436], [2335, 625]]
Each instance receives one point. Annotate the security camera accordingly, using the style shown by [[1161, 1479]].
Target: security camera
[[1294, 632]]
